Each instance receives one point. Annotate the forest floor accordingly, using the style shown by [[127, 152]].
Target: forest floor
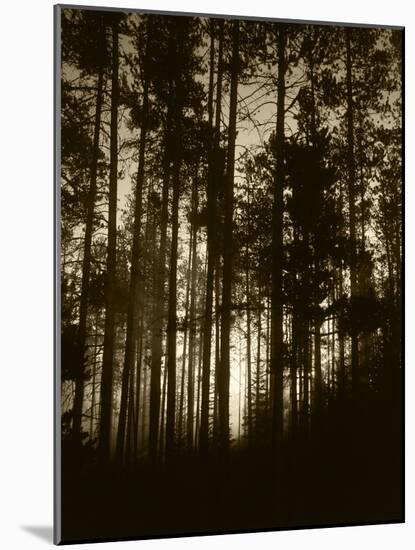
[[350, 473]]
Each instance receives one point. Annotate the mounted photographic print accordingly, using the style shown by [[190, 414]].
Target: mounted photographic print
[[229, 274]]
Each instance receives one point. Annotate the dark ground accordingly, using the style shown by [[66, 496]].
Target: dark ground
[[349, 472]]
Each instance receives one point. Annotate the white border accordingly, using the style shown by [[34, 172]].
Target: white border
[[26, 273]]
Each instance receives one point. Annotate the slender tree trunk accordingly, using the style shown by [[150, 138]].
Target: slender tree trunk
[[317, 347], [258, 355], [277, 341], [200, 356], [109, 331], [162, 416], [172, 318], [306, 364], [333, 348], [317, 367], [267, 356], [199, 383], [351, 181], [130, 417], [317, 321], [193, 325], [312, 88], [158, 323], [224, 372], [139, 359], [361, 185], [133, 294], [86, 264], [393, 245], [94, 374], [213, 176], [294, 363], [248, 356], [301, 379], [172, 304], [240, 393], [144, 413], [187, 322], [149, 237], [342, 364], [217, 348]]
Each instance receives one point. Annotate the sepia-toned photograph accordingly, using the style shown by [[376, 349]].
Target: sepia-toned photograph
[[229, 270]]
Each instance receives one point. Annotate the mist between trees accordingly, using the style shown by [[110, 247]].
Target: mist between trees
[[231, 253]]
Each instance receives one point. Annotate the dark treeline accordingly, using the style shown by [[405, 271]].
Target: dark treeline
[[231, 274]]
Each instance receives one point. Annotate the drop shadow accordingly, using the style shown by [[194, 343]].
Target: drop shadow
[[43, 532]]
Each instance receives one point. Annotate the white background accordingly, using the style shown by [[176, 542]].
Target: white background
[[26, 271]]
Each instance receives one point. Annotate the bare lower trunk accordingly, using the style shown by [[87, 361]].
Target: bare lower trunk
[[186, 330], [133, 294], [351, 182], [86, 265], [213, 176], [109, 334], [248, 358], [224, 371], [158, 322], [277, 343], [258, 359], [193, 325], [172, 319]]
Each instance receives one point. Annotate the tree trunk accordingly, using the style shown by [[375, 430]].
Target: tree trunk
[[267, 356], [317, 368], [224, 371], [351, 181], [277, 342], [258, 356], [217, 348], [240, 392], [248, 355], [128, 459], [342, 364], [199, 379], [94, 372], [159, 283], [293, 373], [143, 425], [109, 331], [306, 365], [135, 278], [213, 176], [193, 325], [172, 317], [187, 321], [139, 354], [162, 416], [86, 265]]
